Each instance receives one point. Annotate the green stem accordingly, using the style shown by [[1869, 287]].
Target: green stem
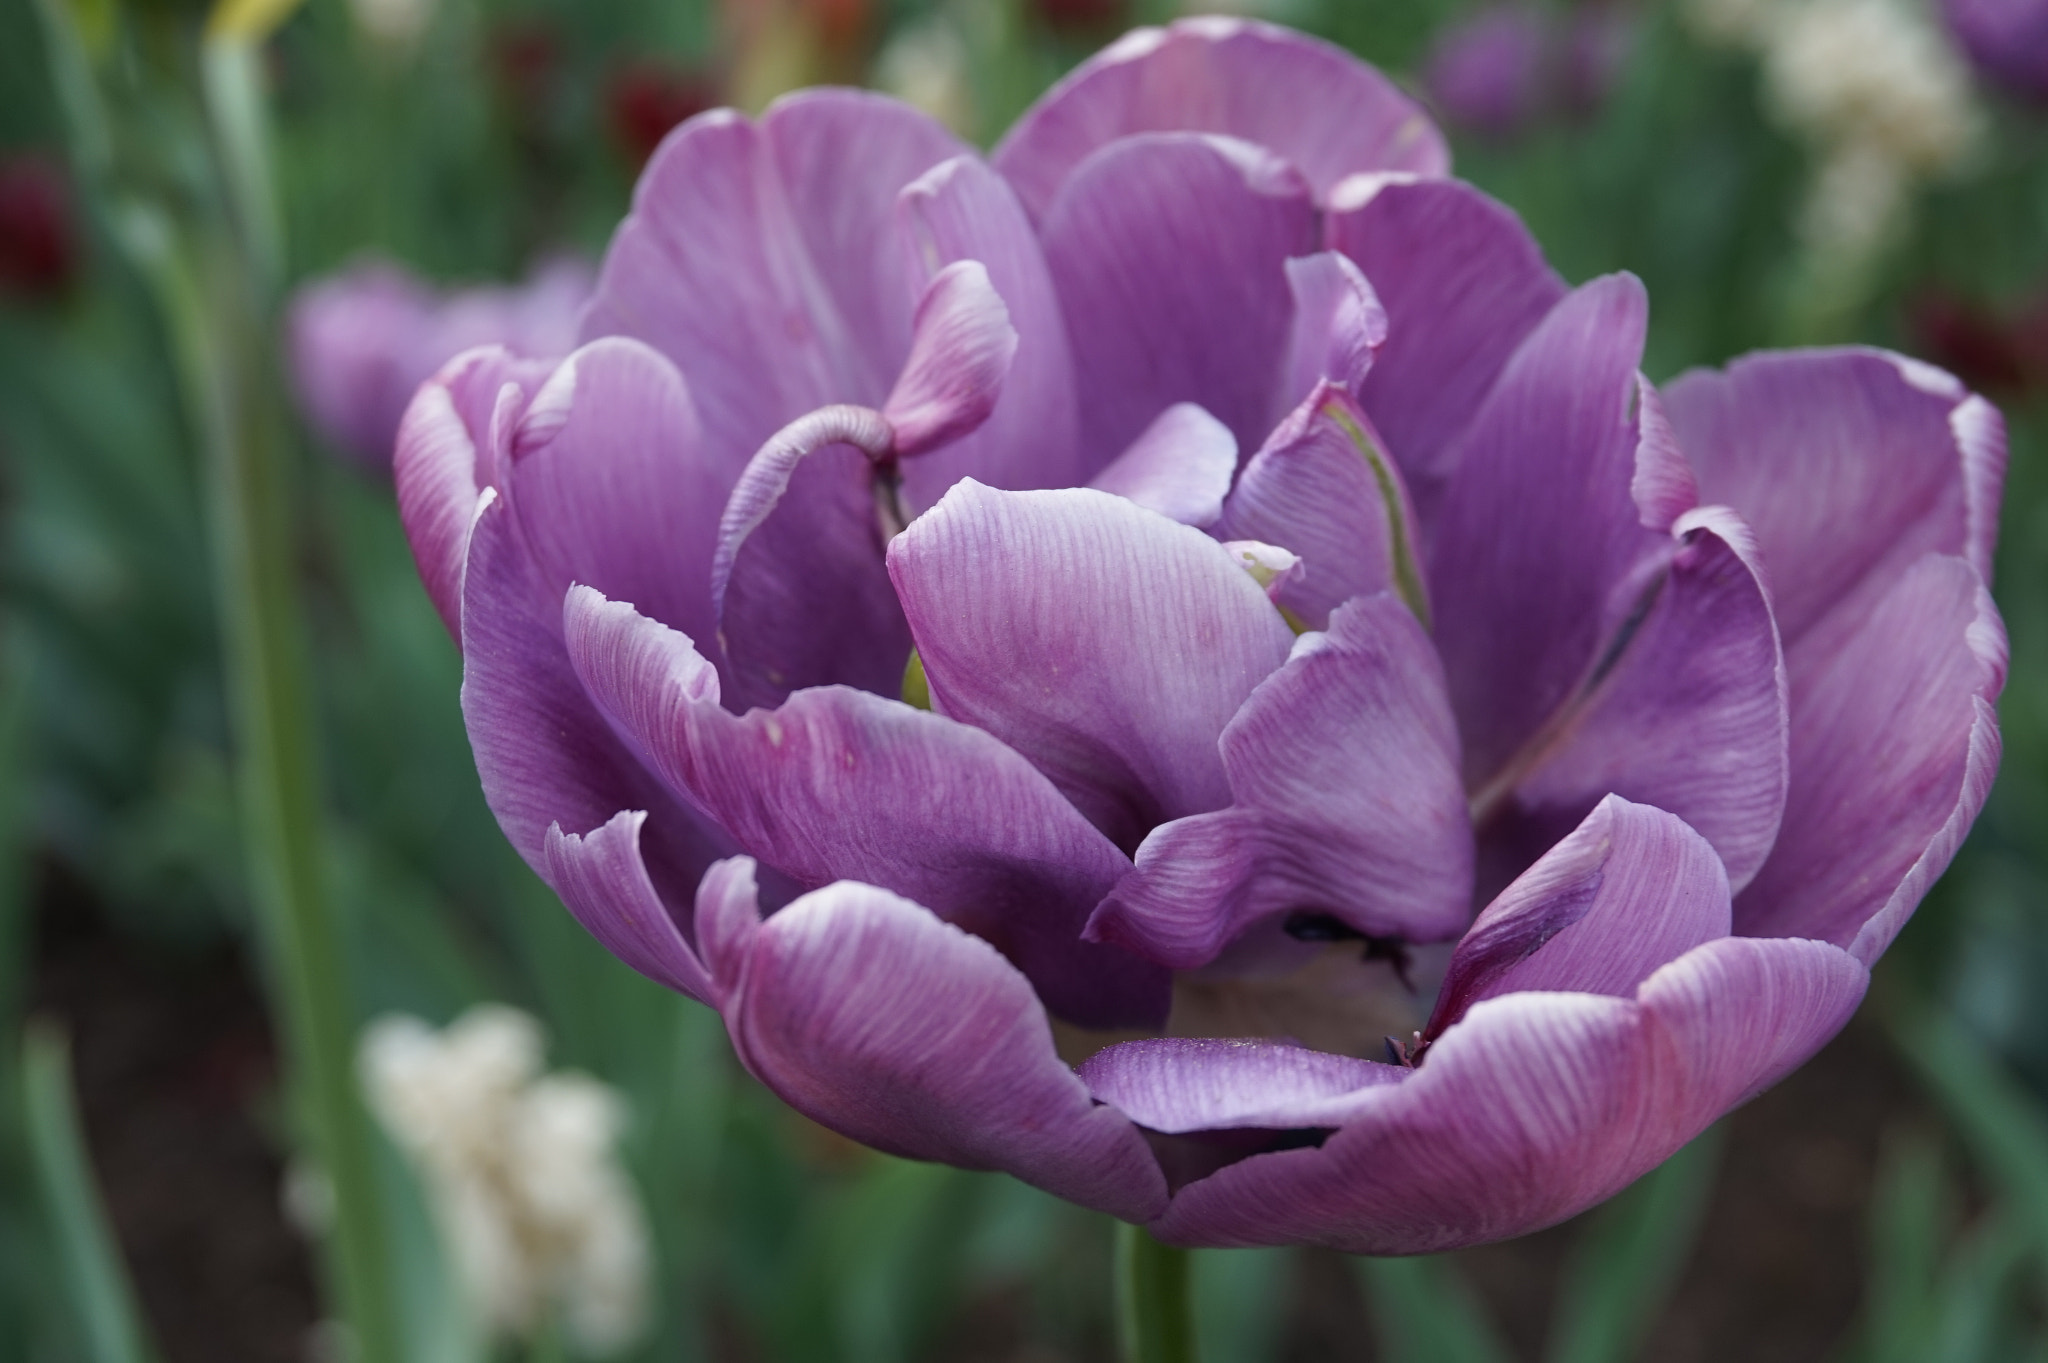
[[1155, 1313]]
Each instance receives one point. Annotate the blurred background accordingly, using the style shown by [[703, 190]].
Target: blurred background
[[1778, 171]]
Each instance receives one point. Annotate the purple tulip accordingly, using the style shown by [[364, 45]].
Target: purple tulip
[[2007, 39], [364, 340], [1487, 72], [1276, 560]]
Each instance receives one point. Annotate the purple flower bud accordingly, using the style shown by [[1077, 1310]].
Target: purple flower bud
[[363, 340], [2007, 39], [1488, 72], [1319, 631]]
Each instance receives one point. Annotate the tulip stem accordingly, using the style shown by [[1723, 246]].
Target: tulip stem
[[1155, 1311]]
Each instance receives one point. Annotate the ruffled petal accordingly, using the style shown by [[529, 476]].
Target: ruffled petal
[[868, 1014], [961, 348], [602, 879], [1231, 76], [1627, 891], [1894, 745], [1169, 252], [1463, 284], [1343, 767], [1850, 465], [961, 210], [1104, 642], [1535, 1107], [839, 784], [1185, 1084], [1323, 487], [1538, 525], [760, 258], [1339, 326], [1180, 467]]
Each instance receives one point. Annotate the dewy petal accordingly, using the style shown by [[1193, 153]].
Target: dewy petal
[[1343, 766], [759, 257], [612, 486], [1692, 715], [602, 879], [868, 1014], [839, 784], [1535, 1107], [1180, 467], [961, 347], [1184, 1084], [1625, 892], [1104, 642], [446, 455], [1339, 325], [1230, 76], [1169, 252], [1849, 464], [1538, 526], [1323, 486], [1463, 283], [962, 210], [544, 754], [1894, 745]]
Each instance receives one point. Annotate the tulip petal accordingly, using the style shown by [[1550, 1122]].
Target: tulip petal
[[1323, 487], [1169, 252], [1105, 643], [1535, 1107], [1180, 467], [1463, 284], [961, 347], [1183, 1084], [1344, 770], [1339, 325], [962, 210], [1229, 76], [544, 754], [759, 258], [1538, 526], [870, 1015], [1691, 716], [447, 453], [839, 784], [602, 879], [1894, 744], [1627, 891], [1850, 465]]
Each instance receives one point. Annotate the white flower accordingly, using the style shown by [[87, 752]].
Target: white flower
[[520, 1167], [1876, 73], [926, 66], [396, 23]]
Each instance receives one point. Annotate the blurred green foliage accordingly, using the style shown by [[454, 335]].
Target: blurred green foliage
[[494, 138]]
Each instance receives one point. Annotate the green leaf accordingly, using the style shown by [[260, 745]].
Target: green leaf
[[1423, 1311], [1908, 1222], [1630, 1256], [89, 1262]]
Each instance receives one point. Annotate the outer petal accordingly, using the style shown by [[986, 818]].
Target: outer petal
[[840, 784], [1105, 643], [543, 752], [1535, 1107], [1169, 252], [1627, 891], [1344, 770], [868, 1014], [759, 258], [1463, 284], [1183, 1084], [1223, 76], [1323, 487], [602, 879], [1691, 716], [448, 452], [962, 210], [1180, 467], [1538, 526], [1849, 464], [613, 488], [1894, 744]]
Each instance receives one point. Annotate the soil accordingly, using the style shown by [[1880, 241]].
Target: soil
[[175, 1069]]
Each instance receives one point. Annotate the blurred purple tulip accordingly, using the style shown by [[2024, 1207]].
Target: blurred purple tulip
[[1292, 562], [1510, 66], [2007, 39], [364, 340]]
